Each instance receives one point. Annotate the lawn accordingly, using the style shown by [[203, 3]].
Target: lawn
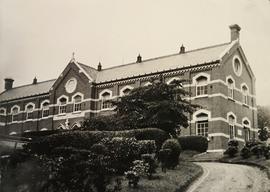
[[172, 180]]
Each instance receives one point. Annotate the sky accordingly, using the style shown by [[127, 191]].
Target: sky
[[38, 37]]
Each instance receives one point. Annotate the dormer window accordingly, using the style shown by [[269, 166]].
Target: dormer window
[[45, 109], [15, 113], [29, 111], [62, 105], [201, 86]]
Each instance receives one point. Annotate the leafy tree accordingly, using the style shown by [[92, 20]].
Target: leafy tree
[[158, 105], [263, 134], [263, 116]]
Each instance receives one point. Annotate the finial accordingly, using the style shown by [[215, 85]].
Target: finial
[[73, 57]]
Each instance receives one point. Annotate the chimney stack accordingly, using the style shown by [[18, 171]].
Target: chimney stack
[[235, 32], [182, 49], [99, 67], [139, 59], [8, 83], [35, 80]]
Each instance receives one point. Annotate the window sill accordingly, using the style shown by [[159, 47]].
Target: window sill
[[231, 99], [76, 112], [61, 114], [245, 105], [201, 96]]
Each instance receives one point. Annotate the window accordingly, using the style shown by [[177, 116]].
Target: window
[[105, 103], [237, 66], [15, 113], [2, 111], [201, 86], [45, 109], [62, 105], [77, 103], [230, 88], [125, 90], [245, 94], [232, 131], [246, 127], [29, 111], [202, 124]]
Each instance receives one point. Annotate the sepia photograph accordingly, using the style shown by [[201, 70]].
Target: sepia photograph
[[134, 96]]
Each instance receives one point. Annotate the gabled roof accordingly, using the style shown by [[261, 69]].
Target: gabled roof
[[27, 90]]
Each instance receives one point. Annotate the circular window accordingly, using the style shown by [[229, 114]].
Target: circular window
[[71, 85], [237, 66]]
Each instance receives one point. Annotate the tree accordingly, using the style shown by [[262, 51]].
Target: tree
[[158, 105], [263, 116]]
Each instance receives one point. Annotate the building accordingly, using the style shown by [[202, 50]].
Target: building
[[220, 80]]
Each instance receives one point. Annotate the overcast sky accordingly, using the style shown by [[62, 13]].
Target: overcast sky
[[37, 37]]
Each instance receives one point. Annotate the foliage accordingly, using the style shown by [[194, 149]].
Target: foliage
[[138, 169], [150, 163], [102, 123], [147, 146], [263, 116], [194, 143], [173, 158], [232, 149], [160, 105], [163, 158], [245, 152], [85, 139], [263, 134]]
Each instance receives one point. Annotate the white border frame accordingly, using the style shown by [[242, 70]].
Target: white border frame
[[104, 91], [76, 83], [172, 79], [124, 88], [241, 65], [5, 111]]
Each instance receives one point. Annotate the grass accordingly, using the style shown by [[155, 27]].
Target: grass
[[173, 180]]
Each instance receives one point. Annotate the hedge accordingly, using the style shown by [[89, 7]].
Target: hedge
[[85, 139], [194, 143]]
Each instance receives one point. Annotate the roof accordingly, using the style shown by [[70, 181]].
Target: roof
[[27, 90], [175, 61], [159, 64]]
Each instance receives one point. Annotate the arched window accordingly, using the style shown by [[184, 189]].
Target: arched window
[[201, 121], [246, 127], [245, 94], [172, 80], [45, 108], [201, 86], [29, 111], [15, 113], [125, 90], [230, 83], [148, 84], [62, 105], [2, 111], [77, 99], [232, 132], [13, 133], [105, 103], [237, 65], [43, 129]]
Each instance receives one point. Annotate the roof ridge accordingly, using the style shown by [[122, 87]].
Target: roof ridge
[[155, 58], [86, 65]]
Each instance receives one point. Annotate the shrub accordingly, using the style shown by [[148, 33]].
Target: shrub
[[150, 163], [232, 148], [163, 158], [174, 146], [147, 146], [257, 150], [245, 152], [266, 152], [135, 172], [194, 143]]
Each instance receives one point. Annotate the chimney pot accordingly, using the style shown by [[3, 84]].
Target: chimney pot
[[139, 59], [99, 67], [235, 32], [182, 49], [35, 80], [8, 83]]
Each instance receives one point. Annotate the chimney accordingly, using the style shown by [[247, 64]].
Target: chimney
[[182, 49], [35, 80], [99, 68], [235, 29], [8, 83], [139, 59]]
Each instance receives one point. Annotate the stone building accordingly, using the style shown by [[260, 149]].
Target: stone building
[[220, 80]]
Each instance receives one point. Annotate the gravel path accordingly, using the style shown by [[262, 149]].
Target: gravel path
[[230, 178]]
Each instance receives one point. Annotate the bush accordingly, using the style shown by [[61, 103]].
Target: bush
[[193, 143], [85, 139], [175, 147], [245, 152], [150, 163], [147, 146], [232, 148]]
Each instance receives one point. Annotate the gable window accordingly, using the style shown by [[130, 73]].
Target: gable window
[[45, 109], [105, 100], [230, 88], [62, 105], [245, 94], [232, 131], [29, 111], [237, 65], [201, 86], [15, 113], [77, 103], [202, 124], [246, 127]]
